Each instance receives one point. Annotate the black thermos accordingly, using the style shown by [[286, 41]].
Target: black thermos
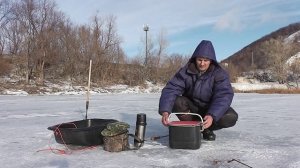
[[140, 129]]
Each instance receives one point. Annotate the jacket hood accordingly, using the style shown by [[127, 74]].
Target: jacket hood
[[206, 50]]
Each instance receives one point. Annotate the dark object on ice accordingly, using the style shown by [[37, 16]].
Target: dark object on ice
[[239, 162], [82, 132], [185, 134], [209, 135], [140, 130], [154, 138]]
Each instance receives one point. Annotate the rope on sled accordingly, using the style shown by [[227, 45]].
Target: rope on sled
[[63, 151]]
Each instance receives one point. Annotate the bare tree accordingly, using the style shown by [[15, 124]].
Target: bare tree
[[14, 37], [277, 53], [159, 54], [171, 65], [5, 11], [295, 72], [106, 50], [46, 36], [70, 62], [35, 26], [23, 12], [162, 46], [156, 51], [232, 70]]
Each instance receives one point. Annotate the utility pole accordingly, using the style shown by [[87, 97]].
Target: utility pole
[[252, 60], [146, 29]]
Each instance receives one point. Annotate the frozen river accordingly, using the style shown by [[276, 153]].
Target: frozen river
[[266, 135]]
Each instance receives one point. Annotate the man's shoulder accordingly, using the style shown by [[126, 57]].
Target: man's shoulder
[[220, 73]]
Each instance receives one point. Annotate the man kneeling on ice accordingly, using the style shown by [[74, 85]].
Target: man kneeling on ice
[[201, 87]]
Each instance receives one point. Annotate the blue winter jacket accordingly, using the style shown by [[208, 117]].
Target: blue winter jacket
[[211, 90]]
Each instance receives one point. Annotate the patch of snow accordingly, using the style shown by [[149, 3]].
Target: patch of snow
[[291, 60], [292, 37], [246, 80], [116, 87], [65, 88], [14, 92], [257, 86]]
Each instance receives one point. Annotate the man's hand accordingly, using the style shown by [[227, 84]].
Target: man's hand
[[207, 121], [164, 118]]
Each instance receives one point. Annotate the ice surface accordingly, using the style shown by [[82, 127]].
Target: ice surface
[[266, 135]]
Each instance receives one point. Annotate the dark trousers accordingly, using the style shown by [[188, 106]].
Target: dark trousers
[[183, 104]]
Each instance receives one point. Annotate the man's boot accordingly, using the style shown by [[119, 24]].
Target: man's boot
[[209, 135]]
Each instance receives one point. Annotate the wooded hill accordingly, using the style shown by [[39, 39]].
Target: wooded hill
[[267, 53]]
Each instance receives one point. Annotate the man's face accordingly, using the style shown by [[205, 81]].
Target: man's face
[[202, 63]]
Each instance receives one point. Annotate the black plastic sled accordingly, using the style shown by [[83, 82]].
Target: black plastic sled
[[82, 132]]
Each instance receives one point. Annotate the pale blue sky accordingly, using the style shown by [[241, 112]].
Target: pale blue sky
[[229, 24]]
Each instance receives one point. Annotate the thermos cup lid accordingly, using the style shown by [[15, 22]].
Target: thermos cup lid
[[141, 119]]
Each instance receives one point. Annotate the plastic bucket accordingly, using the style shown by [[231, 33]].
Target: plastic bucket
[[185, 134]]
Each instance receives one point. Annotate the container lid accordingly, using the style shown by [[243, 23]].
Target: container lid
[[141, 119], [184, 123]]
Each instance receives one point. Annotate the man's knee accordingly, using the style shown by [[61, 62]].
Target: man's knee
[[229, 119], [181, 104]]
